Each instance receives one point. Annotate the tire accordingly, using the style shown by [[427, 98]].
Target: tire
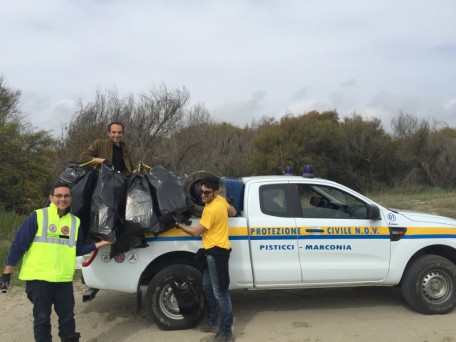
[[429, 285], [162, 304], [192, 188]]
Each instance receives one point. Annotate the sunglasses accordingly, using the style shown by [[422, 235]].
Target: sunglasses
[[206, 192], [60, 196]]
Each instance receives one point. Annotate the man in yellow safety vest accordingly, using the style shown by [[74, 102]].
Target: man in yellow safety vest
[[49, 241]]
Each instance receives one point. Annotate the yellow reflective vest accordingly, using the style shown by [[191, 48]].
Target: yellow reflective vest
[[52, 254]]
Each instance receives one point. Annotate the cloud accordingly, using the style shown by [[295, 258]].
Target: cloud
[[43, 113], [244, 59], [450, 107], [240, 112]]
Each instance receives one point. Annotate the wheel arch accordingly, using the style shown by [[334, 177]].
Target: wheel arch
[[164, 260], [445, 251]]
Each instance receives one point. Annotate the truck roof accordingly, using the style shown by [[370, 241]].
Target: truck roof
[[286, 178]]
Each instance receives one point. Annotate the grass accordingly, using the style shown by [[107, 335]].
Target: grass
[[9, 224], [432, 201]]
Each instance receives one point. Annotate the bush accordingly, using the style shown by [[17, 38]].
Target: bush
[[9, 224]]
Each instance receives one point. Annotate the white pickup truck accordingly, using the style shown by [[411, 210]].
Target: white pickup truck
[[295, 232]]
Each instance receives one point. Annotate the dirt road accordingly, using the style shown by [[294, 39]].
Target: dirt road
[[327, 315]]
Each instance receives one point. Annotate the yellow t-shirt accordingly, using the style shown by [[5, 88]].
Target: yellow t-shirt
[[215, 220]]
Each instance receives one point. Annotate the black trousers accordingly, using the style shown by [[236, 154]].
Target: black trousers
[[43, 295]]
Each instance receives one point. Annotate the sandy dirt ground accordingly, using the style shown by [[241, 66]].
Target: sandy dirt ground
[[325, 315]]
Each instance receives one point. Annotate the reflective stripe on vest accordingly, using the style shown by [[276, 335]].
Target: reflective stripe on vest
[[44, 238], [52, 254]]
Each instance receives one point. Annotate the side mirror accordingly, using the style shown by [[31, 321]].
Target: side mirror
[[373, 213]]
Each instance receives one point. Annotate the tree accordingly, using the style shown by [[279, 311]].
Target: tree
[[367, 161], [149, 118], [427, 152], [311, 138], [25, 161], [204, 144]]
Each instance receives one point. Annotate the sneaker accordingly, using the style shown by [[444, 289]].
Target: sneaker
[[206, 327]]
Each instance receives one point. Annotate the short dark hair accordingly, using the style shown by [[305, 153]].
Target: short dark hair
[[211, 182], [60, 185], [116, 123]]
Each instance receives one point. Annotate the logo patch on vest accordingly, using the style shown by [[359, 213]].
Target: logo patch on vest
[[52, 228], [65, 230]]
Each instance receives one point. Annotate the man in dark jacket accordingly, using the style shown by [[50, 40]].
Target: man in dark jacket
[[111, 149]]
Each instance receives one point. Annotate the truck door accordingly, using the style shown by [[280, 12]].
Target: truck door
[[273, 235], [338, 243]]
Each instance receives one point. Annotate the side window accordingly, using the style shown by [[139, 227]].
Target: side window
[[325, 202], [275, 200]]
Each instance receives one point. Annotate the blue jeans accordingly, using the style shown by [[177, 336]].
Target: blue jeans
[[43, 295], [217, 298]]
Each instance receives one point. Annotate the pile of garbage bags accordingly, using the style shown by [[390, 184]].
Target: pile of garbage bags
[[124, 209]]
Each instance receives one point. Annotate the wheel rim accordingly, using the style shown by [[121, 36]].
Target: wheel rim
[[168, 303], [436, 287]]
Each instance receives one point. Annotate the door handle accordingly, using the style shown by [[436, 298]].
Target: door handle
[[315, 230]]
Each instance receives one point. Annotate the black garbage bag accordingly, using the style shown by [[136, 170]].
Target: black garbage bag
[[125, 242], [169, 194], [107, 212], [82, 180], [140, 214], [186, 295]]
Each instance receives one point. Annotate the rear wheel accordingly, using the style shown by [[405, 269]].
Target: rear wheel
[[162, 304], [429, 285]]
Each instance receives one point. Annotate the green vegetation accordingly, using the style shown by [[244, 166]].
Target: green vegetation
[[26, 157], [162, 127], [433, 201], [9, 224]]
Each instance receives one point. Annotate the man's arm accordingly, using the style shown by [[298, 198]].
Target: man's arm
[[83, 248], [90, 154], [232, 211], [197, 231], [21, 243]]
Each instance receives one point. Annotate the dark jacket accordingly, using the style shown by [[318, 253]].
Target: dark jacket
[[102, 148]]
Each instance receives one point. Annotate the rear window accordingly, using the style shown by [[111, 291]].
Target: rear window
[[275, 200]]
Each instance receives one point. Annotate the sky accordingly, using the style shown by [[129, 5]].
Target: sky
[[242, 59]]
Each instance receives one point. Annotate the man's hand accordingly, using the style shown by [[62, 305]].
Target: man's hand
[[102, 243], [4, 282], [107, 162], [176, 222], [179, 220], [97, 160]]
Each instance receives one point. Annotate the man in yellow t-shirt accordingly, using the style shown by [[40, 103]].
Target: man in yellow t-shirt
[[214, 230]]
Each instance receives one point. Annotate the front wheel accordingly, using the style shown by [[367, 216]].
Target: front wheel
[[429, 285], [163, 305]]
